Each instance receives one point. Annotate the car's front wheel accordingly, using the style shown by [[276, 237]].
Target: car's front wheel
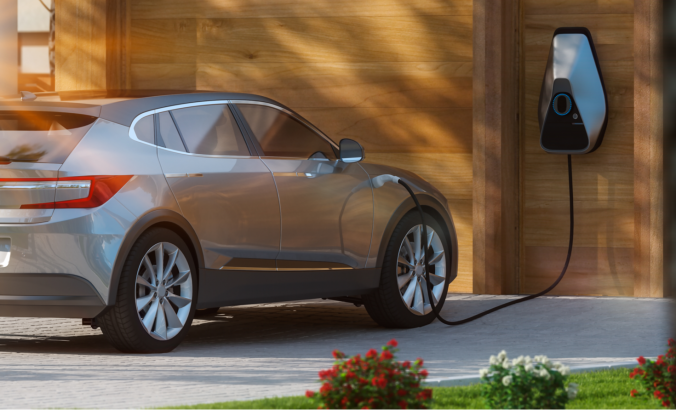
[[155, 298], [402, 299]]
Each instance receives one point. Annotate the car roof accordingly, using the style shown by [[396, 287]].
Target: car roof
[[122, 106]]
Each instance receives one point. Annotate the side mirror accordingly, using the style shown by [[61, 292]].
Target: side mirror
[[351, 151]]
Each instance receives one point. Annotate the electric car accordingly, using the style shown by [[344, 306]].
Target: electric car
[[136, 211]]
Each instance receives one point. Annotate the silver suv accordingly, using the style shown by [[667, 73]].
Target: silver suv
[[137, 212]]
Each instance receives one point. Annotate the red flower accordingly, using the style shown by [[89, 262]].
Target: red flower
[[656, 384], [403, 404], [406, 364], [337, 354], [641, 360], [401, 392], [632, 374], [365, 407], [386, 355], [350, 375], [374, 381], [344, 401], [372, 353], [309, 394], [660, 360], [666, 403], [671, 369], [393, 343], [658, 394], [423, 373], [420, 361], [634, 393], [326, 387], [382, 383], [671, 342]]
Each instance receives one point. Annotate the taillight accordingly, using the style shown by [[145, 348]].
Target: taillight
[[82, 192]]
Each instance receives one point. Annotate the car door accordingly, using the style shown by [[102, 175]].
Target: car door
[[227, 194], [326, 204]]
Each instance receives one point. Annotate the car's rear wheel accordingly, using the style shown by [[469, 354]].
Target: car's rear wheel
[[155, 298], [402, 299]]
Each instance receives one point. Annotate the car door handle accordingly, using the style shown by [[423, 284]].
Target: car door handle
[[195, 175], [176, 175]]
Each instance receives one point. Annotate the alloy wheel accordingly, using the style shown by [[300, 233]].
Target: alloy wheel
[[411, 269], [164, 291]]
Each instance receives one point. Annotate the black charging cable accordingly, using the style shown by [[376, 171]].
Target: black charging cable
[[504, 305]]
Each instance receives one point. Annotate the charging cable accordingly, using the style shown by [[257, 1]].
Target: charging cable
[[504, 305]]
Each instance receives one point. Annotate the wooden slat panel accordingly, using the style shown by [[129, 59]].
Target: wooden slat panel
[[347, 39], [155, 9], [592, 271], [612, 33], [599, 180], [164, 41], [397, 130], [533, 7], [612, 226], [438, 85], [461, 210], [81, 45], [163, 76]]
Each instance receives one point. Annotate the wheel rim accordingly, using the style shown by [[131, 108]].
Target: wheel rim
[[163, 291], [411, 270]]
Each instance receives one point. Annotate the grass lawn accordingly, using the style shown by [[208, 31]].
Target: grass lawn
[[608, 389]]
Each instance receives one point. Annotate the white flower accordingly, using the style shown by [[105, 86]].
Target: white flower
[[493, 360], [528, 367], [518, 361], [502, 356], [506, 364], [527, 360], [506, 380], [564, 370], [483, 372], [517, 371], [544, 374], [572, 390], [557, 365]]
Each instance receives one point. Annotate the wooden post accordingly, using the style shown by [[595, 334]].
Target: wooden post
[[91, 44], [496, 123], [649, 278], [9, 44]]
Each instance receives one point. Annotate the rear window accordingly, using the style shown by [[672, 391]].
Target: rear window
[[39, 136]]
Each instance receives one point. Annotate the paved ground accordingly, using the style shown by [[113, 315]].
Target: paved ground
[[267, 350]]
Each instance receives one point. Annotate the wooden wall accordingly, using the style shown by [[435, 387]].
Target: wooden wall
[[602, 259], [395, 75]]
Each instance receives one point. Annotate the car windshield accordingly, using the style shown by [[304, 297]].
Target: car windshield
[[40, 136]]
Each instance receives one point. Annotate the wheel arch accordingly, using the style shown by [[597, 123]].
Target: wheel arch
[[161, 218], [432, 207]]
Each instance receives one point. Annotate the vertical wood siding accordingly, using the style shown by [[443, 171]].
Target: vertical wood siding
[[603, 181]]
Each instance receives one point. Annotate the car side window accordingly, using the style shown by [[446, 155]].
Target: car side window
[[210, 130], [281, 135], [145, 130], [168, 136]]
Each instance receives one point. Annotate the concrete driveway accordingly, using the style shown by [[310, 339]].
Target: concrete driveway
[[276, 349]]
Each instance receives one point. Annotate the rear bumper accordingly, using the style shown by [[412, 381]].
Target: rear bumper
[[48, 295]]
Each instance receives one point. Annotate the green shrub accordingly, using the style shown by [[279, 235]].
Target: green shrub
[[376, 381], [523, 383]]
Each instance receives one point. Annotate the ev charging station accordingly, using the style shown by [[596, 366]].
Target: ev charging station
[[573, 115]]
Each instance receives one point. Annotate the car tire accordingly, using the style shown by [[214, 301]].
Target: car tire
[[139, 331], [387, 305], [206, 312]]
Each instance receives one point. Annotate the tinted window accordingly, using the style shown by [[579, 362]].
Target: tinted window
[[33, 136], [210, 130], [145, 129], [281, 135], [169, 136]]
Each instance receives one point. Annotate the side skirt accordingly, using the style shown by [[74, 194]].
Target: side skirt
[[230, 287]]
